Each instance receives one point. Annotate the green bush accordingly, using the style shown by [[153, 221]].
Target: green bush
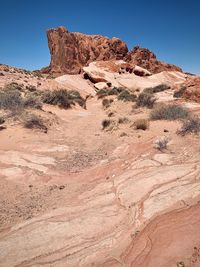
[[169, 112], [145, 100]]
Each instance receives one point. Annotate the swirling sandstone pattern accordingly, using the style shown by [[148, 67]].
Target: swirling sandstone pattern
[[107, 224]]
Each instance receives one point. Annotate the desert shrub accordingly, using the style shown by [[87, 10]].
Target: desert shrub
[[123, 120], [180, 92], [106, 92], [14, 86], [2, 120], [32, 101], [116, 91], [32, 121], [141, 124], [161, 143], [191, 125], [31, 88], [156, 89], [63, 98], [10, 99], [1, 74], [102, 93], [105, 123], [106, 102], [77, 98], [169, 112], [111, 114], [145, 100], [126, 96]]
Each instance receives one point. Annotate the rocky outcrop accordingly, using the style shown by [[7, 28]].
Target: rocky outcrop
[[118, 73], [71, 51], [191, 88], [146, 59]]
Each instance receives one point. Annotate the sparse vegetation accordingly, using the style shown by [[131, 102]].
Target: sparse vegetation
[[63, 98], [161, 143], [141, 124], [14, 86], [106, 92], [32, 101], [32, 121], [156, 89], [10, 99], [123, 120], [169, 112], [31, 88], [121, 93], [105, 123], [180, 92], [2, 120], [145, 100], [106, 102], [191, 125], [126, 96], [111, 114]]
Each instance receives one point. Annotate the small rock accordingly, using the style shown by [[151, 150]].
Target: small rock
[[123, 134], [2, 128], [166, 131], [180, 264], [61, 187]]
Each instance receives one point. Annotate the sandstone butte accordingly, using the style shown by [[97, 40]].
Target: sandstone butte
[[71, 51]]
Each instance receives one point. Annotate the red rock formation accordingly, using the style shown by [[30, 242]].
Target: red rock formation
[[192, 88], [71, 51], [146, 59]]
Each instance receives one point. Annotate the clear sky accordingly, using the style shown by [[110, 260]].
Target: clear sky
[[170, 28]]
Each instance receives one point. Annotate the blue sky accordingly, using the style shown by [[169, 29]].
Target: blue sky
[[170, 28]]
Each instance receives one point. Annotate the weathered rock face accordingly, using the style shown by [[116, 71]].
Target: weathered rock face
[[119, 73], [144, 58], [191, 88], [71, 51]]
